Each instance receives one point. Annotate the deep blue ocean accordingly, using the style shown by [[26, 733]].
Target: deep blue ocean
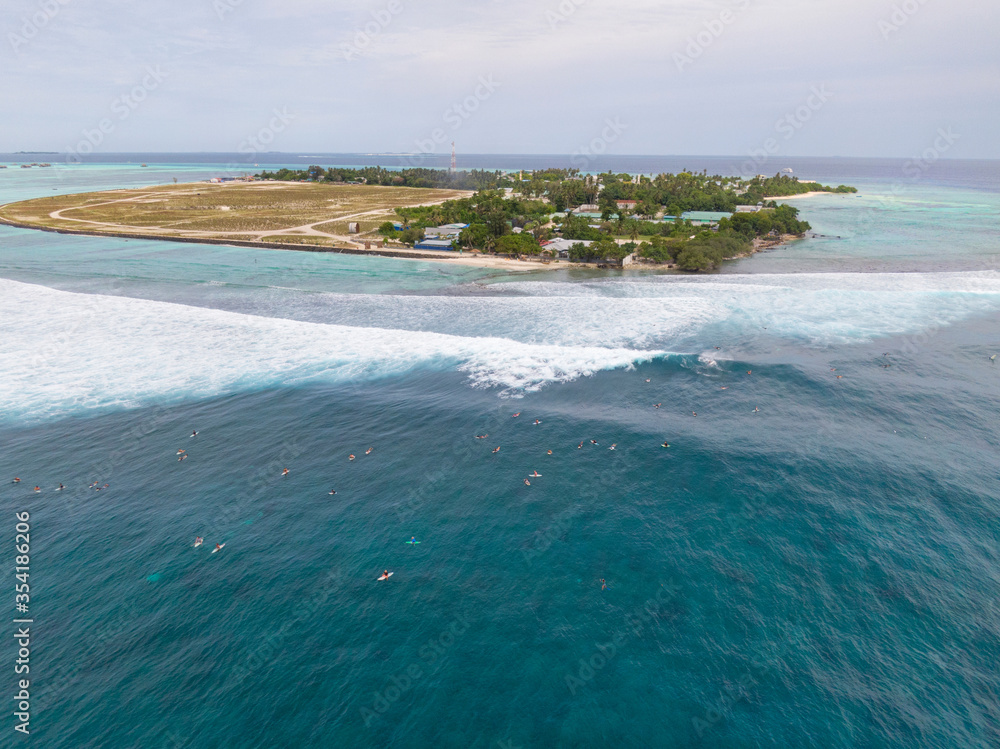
[[814, 561]]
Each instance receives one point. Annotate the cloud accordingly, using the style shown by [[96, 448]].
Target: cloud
[[564, 66]]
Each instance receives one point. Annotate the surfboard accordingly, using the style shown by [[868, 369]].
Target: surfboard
[[386, 577], [221, 547], [413, 542]]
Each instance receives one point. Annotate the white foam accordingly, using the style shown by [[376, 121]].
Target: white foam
[[63, 352], [816, 309]]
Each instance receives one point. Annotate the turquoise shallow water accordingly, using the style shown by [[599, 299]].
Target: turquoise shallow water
[[823, 572]]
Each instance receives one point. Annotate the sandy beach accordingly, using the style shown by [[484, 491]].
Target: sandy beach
[[801, 195]]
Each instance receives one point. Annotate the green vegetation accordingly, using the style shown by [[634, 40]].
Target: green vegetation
[[376, 175], [631, 208], [780, 220], [603, 250]]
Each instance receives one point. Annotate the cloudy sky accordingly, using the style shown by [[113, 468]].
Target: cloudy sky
[[819, 77]]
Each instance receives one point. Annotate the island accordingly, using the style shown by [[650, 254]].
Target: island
[[686, 221]]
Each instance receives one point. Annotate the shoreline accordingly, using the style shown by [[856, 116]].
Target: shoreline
[[489, 262], [802, 195], [492, 262]]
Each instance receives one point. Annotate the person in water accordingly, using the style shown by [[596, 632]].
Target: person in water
[[604, 585]]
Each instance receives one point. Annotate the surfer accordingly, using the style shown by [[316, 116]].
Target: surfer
[[664, 445], [604, 585], [194, 434], [537, 422], [181, 452], [580, 446], [413, 540], [750, 371], [16, 480], [198, 541], [350, 457], [496, 450], [481, 436], [284, 471], [369, 451], [183, 457], [613, 446], [723, 388], [657, 405], [38, 488], [516, 415], [593, 442], [218, 547], [756, 410], [550, 452], [527, 483], [647, 380], [694, 413], [332, 492], [536, 475], [60, 488], [385, 575]]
